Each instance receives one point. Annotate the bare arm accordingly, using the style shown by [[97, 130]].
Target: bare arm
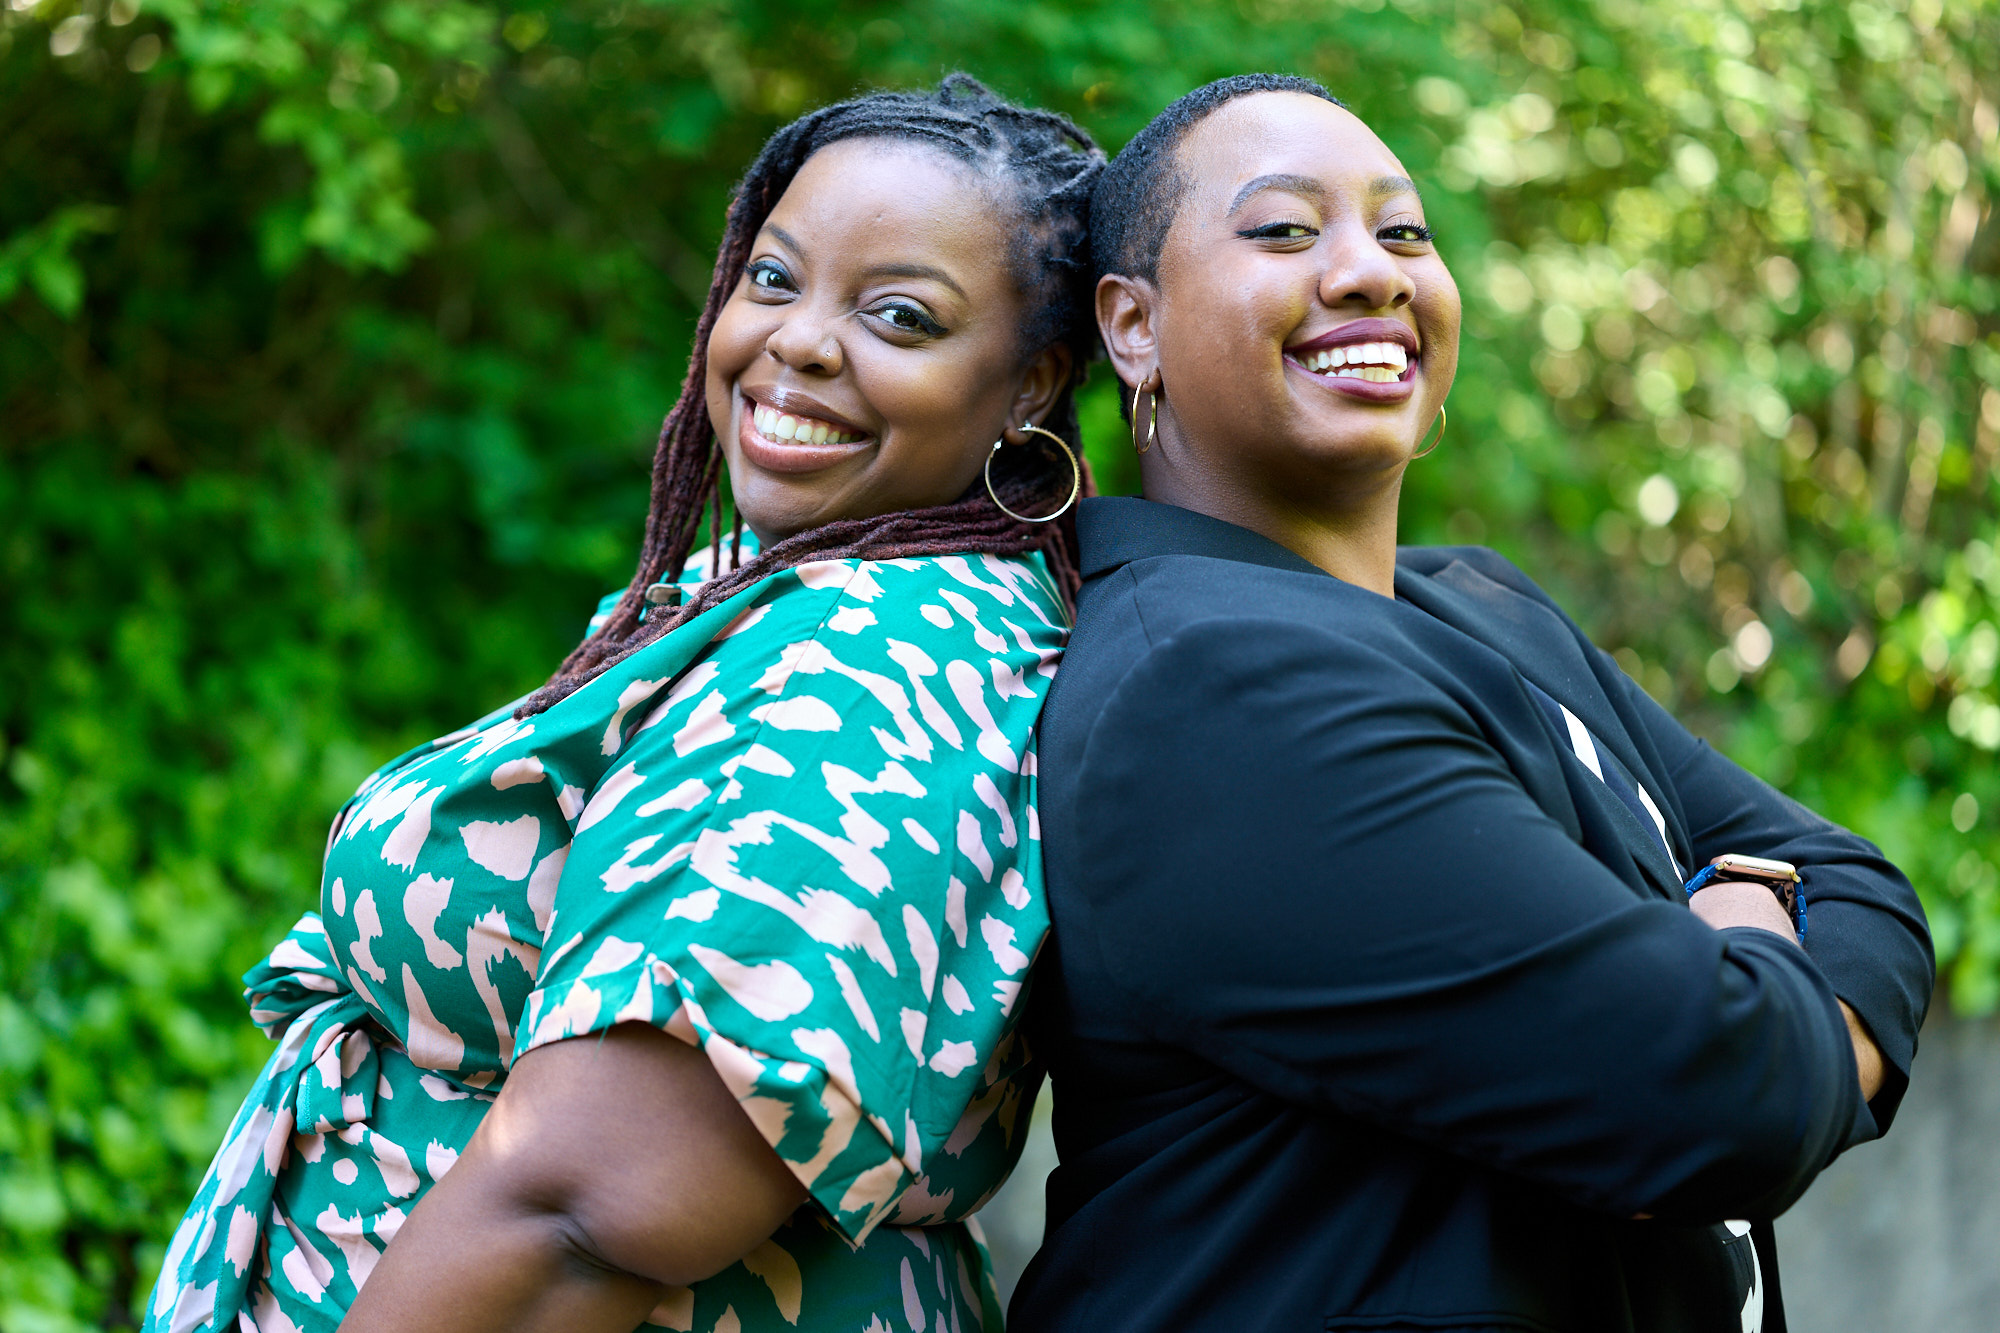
[[608, 1170], [1732, 904]]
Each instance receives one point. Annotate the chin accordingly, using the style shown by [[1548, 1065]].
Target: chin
[[776, 517], [1353, 451]]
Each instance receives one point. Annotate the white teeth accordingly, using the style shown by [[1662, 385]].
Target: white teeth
[[1378, 362], [775, 425]]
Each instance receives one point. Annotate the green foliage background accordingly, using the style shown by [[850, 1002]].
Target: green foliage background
[[334, 334]]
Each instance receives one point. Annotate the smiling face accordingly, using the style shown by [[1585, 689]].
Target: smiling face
[[1302, 327], [870, 354]]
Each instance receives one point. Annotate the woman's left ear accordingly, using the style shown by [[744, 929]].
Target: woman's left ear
[[1041, 384]]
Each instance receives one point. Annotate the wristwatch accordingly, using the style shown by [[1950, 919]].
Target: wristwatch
[[1780, 877]]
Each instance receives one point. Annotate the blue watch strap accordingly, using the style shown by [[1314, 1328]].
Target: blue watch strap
[[1705, 876]]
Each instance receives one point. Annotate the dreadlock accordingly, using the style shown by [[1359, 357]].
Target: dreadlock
[[1138, 195], [1050, 166]]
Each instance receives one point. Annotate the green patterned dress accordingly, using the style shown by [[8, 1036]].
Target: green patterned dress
[[799, 831]]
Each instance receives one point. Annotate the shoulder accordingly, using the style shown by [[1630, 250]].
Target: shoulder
[[1146, 651], [995, 606], [1162, 597], [1194, 612], [850, 647], [1431, 559], [1013, 588], [1484, 560], [1001, 604], [1267, 663]]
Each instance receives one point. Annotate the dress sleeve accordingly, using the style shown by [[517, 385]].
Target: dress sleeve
[[817, 858], [1310, 866]]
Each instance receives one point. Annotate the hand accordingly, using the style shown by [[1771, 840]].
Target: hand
[[1867, 1055], [1735, 903], [1739, 904]]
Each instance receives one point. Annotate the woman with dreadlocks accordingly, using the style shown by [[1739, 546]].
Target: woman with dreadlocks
[[698, 969]]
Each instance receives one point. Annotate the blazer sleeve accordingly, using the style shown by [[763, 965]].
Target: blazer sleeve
[[1865, 926], [1308, 866]]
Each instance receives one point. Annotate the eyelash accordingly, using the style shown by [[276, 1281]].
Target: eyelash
[[763, 268], [1270, 231], [925, 324], [1418, 232]]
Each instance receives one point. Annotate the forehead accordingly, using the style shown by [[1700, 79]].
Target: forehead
[[875, 201], [1281, 134]]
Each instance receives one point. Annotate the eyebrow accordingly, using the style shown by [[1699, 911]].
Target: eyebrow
[[936, 275], [1307, 185], [1277, 181]]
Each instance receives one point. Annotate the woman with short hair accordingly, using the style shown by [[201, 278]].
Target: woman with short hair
[[1377, 1001]]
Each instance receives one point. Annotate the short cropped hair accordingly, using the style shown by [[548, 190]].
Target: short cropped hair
[[1138, 195]]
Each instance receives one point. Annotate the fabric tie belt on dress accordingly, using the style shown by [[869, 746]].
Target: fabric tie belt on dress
[[322, 1079]]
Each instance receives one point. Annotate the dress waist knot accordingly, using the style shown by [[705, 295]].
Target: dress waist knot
[[327, 1055], [322, 1079]]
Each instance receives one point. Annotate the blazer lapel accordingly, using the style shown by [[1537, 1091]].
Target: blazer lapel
[[1537, 643], [1541, 648]]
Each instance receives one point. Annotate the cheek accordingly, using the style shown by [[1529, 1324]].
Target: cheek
[[928, 399], [1228, 343], [734, 341], [1243, 317], [1441, 318], [732, 344], [942, 414]]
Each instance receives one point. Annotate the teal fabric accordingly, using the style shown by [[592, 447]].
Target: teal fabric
[[798, 832]]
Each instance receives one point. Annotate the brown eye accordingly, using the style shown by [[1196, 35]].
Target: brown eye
[[907, 319], [1410, 233], [770, 276], [1280, 231]]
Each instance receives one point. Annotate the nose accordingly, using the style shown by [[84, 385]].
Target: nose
[[1360, 272], [804, 341]]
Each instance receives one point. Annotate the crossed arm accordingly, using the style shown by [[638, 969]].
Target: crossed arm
[[610, 1169], [1442, 932], [607, 1171], [1865, 931], [1725, 905]]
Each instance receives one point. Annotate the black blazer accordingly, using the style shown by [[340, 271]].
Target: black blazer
[[1369, 1006]]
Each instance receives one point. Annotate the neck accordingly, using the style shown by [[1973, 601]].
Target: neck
[[1346, 526]]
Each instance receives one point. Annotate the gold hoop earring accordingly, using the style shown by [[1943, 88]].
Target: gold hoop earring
[[1075, 486], [1434, 443], [1152, 425]]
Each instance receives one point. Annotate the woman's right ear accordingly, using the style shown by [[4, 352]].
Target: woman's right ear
[[1126, 307]]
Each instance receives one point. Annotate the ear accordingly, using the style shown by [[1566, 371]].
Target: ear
[[1041, 384], [1126, 309]]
